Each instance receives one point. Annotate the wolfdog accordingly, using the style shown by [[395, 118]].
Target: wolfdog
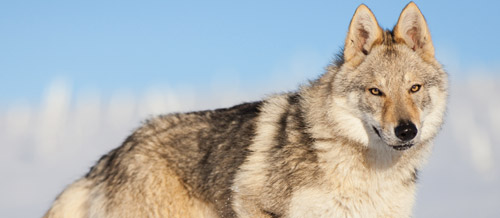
[[348, 144]]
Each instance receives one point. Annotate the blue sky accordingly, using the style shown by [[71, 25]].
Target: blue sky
[[77, 77], [132, 45]]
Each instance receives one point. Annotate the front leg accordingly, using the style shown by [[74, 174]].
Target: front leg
[[246, 207]]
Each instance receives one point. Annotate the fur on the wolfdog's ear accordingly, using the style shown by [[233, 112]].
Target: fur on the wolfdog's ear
[[364, 32], [412, 30]]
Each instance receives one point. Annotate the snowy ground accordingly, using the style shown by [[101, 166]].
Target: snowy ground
[[46, 147]]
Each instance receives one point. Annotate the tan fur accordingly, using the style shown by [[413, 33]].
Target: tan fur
[[358, 175], [248, 186], [400, 108], [73, 202], [364, 32], [412, 29], [328, 150], [159, 194], [163, 193]]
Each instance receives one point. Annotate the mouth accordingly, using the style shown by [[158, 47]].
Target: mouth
[[395, 147], [402, 147], [376, 131]]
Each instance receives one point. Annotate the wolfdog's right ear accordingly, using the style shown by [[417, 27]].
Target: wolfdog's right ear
[[364, 32]]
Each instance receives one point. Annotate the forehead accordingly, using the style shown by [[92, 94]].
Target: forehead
[[393, 63]]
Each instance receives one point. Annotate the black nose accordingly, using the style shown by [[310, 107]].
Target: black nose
[[406, 131]]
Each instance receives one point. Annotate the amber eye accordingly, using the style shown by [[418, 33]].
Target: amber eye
[[375, 91], [415, 88]]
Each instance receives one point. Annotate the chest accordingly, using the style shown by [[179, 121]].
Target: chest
[[364, 199]]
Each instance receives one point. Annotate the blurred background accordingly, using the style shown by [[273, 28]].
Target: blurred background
[[77, 77]]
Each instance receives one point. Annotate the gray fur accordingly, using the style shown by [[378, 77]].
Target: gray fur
[[331, 142]]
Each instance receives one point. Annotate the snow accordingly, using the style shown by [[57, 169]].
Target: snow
[[46, 147]]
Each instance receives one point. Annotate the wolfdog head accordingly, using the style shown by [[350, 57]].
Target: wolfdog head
[[390, 81]]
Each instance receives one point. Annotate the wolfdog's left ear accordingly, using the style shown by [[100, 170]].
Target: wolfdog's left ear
[[412, 30]]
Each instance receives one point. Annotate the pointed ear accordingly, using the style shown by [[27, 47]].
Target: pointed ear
[[412, 30], [364, 32]]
